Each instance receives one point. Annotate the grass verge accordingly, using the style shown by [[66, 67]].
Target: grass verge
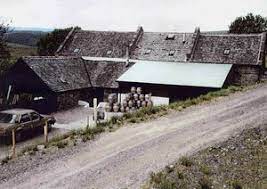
[[238, 163]]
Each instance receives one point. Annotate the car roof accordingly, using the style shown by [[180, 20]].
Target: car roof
[[17, 111]]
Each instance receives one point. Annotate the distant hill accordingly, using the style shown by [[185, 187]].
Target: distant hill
[[32, 29], [28, 38]]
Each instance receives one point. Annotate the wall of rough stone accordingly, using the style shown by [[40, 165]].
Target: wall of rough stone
[[245, 75], [68, 99]]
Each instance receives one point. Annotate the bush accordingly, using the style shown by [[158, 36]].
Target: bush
[[205, 183], [205, 169], [187, 162], [236, 185]]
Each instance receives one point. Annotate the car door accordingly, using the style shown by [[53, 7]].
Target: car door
[[25, 123], [37, 121]]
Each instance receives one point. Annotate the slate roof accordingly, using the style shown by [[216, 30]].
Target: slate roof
[[59, 73], [104, 74], [206, 47], [69, 73], [155, 46], [98, 43], [243, 49]]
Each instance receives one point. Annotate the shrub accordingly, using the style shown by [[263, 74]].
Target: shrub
[[205, 169], [185, 161], [205, 183], [236, 185], [179, 174]]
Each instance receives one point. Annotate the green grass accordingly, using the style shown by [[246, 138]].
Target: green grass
[[17, 51], [239, 162]]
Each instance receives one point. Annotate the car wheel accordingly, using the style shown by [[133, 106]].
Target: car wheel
[[18, 136], [49, 128]]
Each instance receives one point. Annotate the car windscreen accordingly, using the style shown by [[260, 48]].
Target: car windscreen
[[7, 118]]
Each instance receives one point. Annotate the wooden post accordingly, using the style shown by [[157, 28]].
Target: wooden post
[[8, 92], [46, 132], [95, 110], [13, 143]]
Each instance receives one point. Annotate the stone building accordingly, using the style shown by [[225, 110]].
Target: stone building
[[91, 64]]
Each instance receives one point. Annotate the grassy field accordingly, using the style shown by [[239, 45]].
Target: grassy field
[[18, 51], [237, 163]]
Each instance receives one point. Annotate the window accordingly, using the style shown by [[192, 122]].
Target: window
[[7, 118], [76, 50], [226, 52], [170, 37], [171, 53], [35, 116], [25, 118], [148, 51]]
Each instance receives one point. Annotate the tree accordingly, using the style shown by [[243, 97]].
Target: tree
[[4, 52], [248, 24], [48, 44]]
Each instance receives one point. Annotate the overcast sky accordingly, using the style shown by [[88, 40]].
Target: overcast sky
[[125, 15]]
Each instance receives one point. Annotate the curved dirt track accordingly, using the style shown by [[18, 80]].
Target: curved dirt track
[[125, 158]]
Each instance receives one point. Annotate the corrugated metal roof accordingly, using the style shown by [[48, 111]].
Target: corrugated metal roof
[[181, 74]]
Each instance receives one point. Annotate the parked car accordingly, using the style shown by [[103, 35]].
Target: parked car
[[24, 121]]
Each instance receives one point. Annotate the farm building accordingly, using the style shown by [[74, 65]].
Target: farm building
[[56, 83], [245, 52], [171, 66]]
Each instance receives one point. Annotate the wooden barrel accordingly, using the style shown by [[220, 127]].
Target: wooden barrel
[[116, 107], [143, 103], [133, 90], [136, 96], [142, 97], [130, 103], [139, 90], [124, 103], [108, 108], [149, 103], [122, 108]]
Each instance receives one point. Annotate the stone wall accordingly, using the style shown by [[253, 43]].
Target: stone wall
[[68, 99], [245, 75]]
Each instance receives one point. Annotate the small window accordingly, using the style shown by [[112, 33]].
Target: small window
[[170, 37], [63, 79], [171, 53], [148, 51], [226, 52], [35, 116], [76, 50], [25, 118], [109, 52]]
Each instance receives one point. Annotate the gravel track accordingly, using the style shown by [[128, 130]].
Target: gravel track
[[125, 158]]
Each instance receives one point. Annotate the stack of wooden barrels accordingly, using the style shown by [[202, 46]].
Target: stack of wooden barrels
[[134, 100]]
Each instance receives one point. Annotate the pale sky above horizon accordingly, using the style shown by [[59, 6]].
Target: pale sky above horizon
[[127, 15]]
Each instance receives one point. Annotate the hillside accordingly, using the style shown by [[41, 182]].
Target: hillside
[[18, 51], [29, 38]]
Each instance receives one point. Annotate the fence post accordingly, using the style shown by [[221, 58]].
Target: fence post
[[13, 143], [95, 110], [46, 132]]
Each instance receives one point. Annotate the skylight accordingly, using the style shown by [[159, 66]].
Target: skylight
[[170, 37], [171, 53], [76, 50], [148, 51], [226, 51]]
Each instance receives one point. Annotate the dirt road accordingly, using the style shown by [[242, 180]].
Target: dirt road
[[125, 158]]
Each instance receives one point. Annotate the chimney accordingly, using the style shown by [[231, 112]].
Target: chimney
[[184, 37], [127, 56]]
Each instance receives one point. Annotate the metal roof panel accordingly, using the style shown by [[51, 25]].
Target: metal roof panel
[[180, 74]]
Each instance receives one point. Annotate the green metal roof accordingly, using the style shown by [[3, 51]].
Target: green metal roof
[[181, 74]]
